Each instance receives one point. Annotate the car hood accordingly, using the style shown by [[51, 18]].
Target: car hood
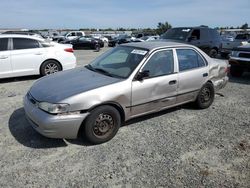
[[59, 86], [245, 48]]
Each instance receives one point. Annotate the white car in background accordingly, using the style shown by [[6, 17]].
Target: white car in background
[[22, 55], [101, 37]]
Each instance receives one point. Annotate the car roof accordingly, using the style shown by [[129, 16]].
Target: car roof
[[19, 36], [151, 45]]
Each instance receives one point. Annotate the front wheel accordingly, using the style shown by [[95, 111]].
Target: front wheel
[[102, 124], [206, 96], [97, 47], [50, 67], [213, 53]]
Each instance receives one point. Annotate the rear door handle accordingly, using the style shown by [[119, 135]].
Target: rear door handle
[[3, 57], [205, 75], [172, 82]]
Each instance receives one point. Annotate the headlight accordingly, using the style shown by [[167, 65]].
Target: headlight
[[54, 108], [234, 53]]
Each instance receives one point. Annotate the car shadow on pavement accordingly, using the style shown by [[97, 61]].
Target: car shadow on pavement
[[153, 115], [244, 79], [22, 131], [18, 79]]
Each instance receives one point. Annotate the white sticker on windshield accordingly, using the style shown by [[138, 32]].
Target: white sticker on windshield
[[141, 52], [185, 30]]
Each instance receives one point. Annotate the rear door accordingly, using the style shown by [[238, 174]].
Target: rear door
[[159, 90], [26, 56], [5, 60], [84, 42], [193, 74]]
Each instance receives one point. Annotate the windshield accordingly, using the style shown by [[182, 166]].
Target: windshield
[[242, 36], [176, 34], [118, 62]]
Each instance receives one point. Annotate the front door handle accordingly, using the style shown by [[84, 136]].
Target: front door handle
[[205, 74], [38, 53], [172, 82], [3, 57]]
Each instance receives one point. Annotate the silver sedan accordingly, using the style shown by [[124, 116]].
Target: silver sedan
[[128, 81]]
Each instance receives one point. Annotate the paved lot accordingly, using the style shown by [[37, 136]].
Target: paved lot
[[181, 147]]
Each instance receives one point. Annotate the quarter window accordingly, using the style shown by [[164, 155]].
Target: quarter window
[[22, 43], [189, 59], [3, 44], [161, 63]]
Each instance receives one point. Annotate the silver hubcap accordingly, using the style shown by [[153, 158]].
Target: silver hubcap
[[51, 68], [104, 124], [205, 95]]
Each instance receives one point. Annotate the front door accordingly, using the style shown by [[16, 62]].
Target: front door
[[159, 89], [5, 63], [26, 56]]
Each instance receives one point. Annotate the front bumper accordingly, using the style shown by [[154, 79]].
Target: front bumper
[[240, 62], [53, 126]]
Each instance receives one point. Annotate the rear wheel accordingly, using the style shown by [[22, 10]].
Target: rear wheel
[[206, 96], [50, 67], [102, 124], [97, 47], [213, 53]]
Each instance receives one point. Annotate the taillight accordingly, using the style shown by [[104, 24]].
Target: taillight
[[227, 69], [69, 50]]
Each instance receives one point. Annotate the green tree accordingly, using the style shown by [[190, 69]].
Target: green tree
[[163, 27], [244, 26]]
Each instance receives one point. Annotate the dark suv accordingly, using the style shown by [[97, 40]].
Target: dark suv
[[205, 38]]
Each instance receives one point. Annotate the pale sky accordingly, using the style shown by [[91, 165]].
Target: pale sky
[[55, 14]]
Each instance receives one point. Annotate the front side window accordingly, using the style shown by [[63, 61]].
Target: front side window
[[195, 34], [3, 44], [118, 62], [189, 59], [22, 43], [161, 63]]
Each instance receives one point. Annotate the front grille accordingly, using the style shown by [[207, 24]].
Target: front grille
[[244, 55]]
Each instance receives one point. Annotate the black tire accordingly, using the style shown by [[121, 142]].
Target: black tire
[[97, 47], [206, 96], [50, 67], [236, 71], [213, 53], [102, 124]]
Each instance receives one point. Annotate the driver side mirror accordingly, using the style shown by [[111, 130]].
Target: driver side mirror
[[141, 75]]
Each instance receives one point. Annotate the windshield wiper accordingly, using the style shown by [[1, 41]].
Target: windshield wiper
[[103, 71], [90, 67]]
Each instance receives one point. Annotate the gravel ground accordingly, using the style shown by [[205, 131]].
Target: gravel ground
[[180, 147]]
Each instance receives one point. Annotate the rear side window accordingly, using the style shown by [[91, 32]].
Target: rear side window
[[214, 34], [189, 59], [79, 34], [3, 44], [22, 43]]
